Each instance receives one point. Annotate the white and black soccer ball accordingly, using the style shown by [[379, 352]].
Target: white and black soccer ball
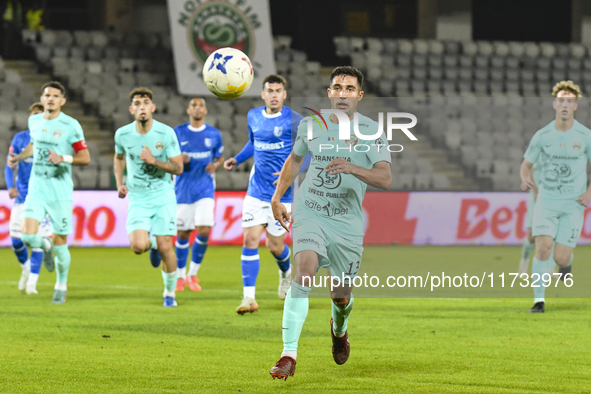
[[228, 73]]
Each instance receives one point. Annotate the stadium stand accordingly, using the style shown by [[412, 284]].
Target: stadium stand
[[101, 69], [446, 82], [454, 81]]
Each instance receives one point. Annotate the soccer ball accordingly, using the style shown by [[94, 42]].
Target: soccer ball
[[228, 73]]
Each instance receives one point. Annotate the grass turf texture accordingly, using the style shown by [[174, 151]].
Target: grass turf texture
[[113, 335]]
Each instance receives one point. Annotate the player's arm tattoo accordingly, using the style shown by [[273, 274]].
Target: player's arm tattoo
[[174, 166], [119, 164]]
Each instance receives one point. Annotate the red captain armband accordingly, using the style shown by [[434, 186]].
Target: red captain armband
[[10, 150], [80, 145]]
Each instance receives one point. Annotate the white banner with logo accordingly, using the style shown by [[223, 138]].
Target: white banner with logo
[[200, 27]]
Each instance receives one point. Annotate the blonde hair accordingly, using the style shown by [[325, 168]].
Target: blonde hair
[[568, 86]]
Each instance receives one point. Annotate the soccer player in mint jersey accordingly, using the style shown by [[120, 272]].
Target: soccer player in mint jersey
[[564, 146], [150, 151], [328, 218], [269, 129], [18, 190], [57, 143], [203, 153], [529, 241]]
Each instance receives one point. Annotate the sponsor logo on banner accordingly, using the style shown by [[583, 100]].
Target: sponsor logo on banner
[[219, 24], [200, 27], [99, 219], [450, 218]]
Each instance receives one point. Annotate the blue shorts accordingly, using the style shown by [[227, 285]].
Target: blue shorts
[[560, 219], [59, 212]]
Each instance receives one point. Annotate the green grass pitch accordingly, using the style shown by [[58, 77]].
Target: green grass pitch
[[113, 336]]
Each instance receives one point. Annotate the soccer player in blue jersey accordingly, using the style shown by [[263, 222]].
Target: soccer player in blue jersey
[[269, 130], [564, 148], [57, 143], [150, 151], [202, 150], [18, 190]]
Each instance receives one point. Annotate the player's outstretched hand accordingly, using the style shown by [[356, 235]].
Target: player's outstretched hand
[[280, 213], [186, 158], [338, 166], [12, 160], [122, 191], [13, 192], [276, 180], [585, 199], [146, 155], [54, 157], [230, 163], [527, 184]]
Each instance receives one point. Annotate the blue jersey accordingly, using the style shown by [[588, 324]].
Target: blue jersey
[[19, 143], [203, 145], [271, 137]]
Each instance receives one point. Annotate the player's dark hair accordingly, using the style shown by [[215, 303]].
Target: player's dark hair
[[35, 106], [198, 98], [55, 85], [347, 70], [142, 92], [274, 78]]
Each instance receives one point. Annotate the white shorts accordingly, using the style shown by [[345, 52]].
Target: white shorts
[[199, 213], [256, 212], [15, 223]]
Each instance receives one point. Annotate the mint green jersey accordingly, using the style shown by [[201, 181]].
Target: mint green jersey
[[51, 182], [335, 200], [537, 167], [561, 158], [144, 181]]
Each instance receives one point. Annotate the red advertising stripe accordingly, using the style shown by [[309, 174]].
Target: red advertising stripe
[[386, 219], [391, 218]]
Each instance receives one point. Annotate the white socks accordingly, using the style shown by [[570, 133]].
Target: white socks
[[194, 268], [290, 353], [249, 291]]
